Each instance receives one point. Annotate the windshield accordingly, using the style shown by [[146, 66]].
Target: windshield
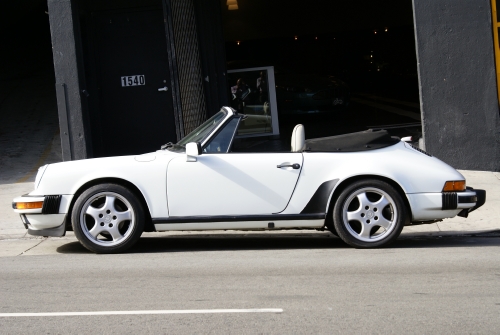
[[199, 134]]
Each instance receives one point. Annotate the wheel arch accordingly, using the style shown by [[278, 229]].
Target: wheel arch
[[346, 182], [148, 225]]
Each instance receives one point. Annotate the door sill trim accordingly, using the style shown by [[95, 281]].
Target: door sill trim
[[237, 218]]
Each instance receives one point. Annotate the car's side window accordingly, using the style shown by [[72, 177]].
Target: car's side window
[[229, 139], [222, 141], [260, 145]]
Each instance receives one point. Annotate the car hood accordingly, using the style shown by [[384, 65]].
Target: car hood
[[68, 177]]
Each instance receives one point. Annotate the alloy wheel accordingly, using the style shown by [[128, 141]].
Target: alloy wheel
[[369, 214], [107, 219]]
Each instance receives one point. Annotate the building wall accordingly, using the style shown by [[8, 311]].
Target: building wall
[[187, 55], [69, 103], [458, 91], [213, 60]]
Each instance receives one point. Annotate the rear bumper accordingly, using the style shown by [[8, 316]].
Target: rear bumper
[[437, 206], [480, 200]]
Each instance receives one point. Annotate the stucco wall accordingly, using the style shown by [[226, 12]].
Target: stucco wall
[[458, 93]]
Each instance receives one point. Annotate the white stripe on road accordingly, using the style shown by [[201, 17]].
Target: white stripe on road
[[179, 311]]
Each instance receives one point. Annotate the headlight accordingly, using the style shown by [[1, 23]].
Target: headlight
[[39, 175]]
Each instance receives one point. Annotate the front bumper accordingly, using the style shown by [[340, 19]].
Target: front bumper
[[437, 206], [50, 220], [45, 225]]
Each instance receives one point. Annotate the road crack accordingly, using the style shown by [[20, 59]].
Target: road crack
[[36, 245]]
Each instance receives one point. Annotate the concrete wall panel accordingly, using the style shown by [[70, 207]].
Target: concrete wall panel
[[458, 95], [67, 82]]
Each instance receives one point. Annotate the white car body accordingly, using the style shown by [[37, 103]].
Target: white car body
[[244, 190]]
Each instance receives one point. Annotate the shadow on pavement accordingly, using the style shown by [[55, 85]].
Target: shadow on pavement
[[472, 240], [72, 248], [216, 243], [192, 243]]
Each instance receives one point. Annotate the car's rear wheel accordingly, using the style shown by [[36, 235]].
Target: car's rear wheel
[[369, 213], [107, 218]]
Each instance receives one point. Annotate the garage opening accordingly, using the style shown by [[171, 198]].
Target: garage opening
[[29, 127], [338, 67]]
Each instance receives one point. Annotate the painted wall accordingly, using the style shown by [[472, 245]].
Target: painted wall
[[458, 93]]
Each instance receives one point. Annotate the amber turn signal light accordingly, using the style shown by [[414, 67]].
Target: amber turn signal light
[[454, 186], [29, 205]]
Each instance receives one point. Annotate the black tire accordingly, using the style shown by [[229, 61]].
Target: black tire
[[369, 213], [112, 210], [329, 223], [333, 231]]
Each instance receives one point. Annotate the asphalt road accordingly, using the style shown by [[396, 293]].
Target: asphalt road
[[419, 285]]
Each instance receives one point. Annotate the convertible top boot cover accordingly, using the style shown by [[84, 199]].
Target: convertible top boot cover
[[370, 139]]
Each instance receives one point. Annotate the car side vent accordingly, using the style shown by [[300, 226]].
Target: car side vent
[[420, 150], [51, 204]]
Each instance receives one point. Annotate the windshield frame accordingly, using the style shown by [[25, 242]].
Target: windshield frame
[[238, 117], [205, 130]]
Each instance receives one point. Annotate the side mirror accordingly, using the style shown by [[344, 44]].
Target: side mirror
[[193, 149]]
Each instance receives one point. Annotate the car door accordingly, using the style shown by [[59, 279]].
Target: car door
[[232, 183]]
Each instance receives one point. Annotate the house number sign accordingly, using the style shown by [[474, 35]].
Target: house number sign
[[133, 80]]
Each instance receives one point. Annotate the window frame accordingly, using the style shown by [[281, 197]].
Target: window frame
[[272, 99], [219, 130]]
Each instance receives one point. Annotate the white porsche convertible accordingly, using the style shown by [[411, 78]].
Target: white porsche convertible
[[364, 187]]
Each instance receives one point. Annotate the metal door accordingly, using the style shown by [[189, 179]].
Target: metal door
[[135, 112]]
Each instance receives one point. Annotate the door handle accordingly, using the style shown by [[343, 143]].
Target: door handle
[[293, 166], [163, 89]]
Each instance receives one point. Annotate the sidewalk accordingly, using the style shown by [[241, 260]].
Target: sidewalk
[[485, 219]]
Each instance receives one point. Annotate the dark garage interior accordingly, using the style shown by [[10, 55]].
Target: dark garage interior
[[29, 130], [366, 50], [349, 40]]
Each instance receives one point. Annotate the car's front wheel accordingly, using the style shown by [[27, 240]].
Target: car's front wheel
[[107, 218], [369, 213]]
